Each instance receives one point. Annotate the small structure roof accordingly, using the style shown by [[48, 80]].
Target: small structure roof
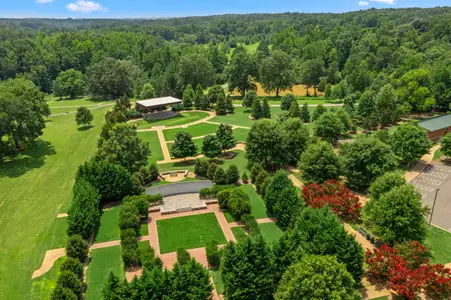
[[437, 123], [159, 102]]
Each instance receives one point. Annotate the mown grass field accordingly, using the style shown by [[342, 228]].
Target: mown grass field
[[154, 143], [182, 118], [439, 243], [257, 203], [270, 232], [195, 130], [103, 261], [217, 280], [35, 187], [189, 232], [84, 101], [42, 287], [239, 233]]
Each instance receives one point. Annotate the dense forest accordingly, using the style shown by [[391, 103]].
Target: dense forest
[[350, 57]]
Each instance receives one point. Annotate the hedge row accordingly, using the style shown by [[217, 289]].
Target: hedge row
[[251, 224], [134, 208], [235, 200], [209, 193], [218, 175]]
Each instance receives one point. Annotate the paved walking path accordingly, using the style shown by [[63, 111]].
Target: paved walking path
[[259, 221]]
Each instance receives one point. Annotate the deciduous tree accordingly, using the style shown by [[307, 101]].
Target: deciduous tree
[[224, 134], [69, 83], [183, 145], [410, 143], [329, 127], [83, 116], [276, 72], [211, 147]]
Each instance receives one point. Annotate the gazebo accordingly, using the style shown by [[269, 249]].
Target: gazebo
[[156, 108]]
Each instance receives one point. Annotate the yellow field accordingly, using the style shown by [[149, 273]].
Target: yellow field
[[297, 90]]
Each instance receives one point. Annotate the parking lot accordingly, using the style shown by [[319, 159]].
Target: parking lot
[[436, 176]]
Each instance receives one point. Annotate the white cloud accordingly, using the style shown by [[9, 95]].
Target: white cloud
[[85, 6], [392, 2], [43, 1], [364, 3]]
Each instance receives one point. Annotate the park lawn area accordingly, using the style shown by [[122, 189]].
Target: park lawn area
[[163, 182], [143, 228], [189, 232], [229, 217], [438, 242], [257, 203], [85, 101], [42, 287], [239, 233], [240, 118], [103, 261], [35, 186], [62, 110], [217, 280], [270, 232], [59, 233], [109, 225], [240, 134], [180, 119], [195, 130], [154, 143], [238, 159]]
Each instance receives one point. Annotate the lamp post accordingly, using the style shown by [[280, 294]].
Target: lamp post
[[433, 206]]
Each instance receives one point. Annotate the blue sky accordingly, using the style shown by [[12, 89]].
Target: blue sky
[[177, 8]]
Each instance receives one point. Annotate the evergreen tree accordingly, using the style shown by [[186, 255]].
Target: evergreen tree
[[199, 98], [220, 107], [191, 281], [77, 248], [295, 138], [247, 270], [148, 92], [265, 110], [188, 96], [305, 113], [328, 91], [319, 110], [294, 111], [286, 101], [220, 177], [256, 112], [224, 134], [233, 175], [249, 99], [230, 109]]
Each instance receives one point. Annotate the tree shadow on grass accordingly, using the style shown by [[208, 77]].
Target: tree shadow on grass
[[85, 128], [31, 158]]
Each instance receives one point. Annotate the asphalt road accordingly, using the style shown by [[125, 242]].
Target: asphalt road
[[436, 176]]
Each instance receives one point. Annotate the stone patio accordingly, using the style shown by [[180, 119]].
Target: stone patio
[[181, 203]]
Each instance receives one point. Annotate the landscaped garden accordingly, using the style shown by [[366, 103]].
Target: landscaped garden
[[180, 119], [195, 130], [189, 232]]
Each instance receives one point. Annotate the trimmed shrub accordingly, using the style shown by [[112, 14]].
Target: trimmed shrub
[[130, 251], [73, 265], [208, 193], [263, 186], [211, 171], [201, 167], [232, 174], [220, 177], [261, 177], [140, 202], [137, 184], [255, 170], [223, 198], [149, 260], [213, 254], [251, 224], [77, 248], [129, 216], [154, 172], [132, 114], [244, 178], [182, 256], [238, 203], [154, 199], [128, 238]]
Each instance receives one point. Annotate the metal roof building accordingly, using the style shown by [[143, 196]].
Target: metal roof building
[[437, 127], [156, 103]]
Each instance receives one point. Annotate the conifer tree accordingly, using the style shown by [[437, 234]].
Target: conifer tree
[[188, 96], [265, 111], [305, 113], [294, 111], [256, 112]]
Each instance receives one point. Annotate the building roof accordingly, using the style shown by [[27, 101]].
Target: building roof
[[437, 123], [159, 101]]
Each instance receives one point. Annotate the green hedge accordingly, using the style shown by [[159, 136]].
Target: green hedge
[[251, 224], [208, 193]]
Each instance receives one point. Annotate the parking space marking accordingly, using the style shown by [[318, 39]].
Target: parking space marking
[[423, 187], [436, 174], [425, 179], [442, 168]]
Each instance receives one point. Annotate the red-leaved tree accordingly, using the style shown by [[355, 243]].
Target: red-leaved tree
[[408, 271], [340, 199]]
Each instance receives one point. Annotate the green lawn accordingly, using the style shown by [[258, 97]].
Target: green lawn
[[103, 261], [109, 225], [189, 232], [162, 182], [59, 234], [257, 203], [270, 232], [240, 118], [439, 243], [229, 217], [239, 160], [143, 228], [240, 134], [438, 154], [85, 101], [35, 187], [182, 118], [154, 143], [42, 287], [239, 233], [217, 279], [61, 110], [195, 130]]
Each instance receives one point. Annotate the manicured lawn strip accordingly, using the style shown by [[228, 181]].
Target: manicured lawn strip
[[143, 245], [240, 134], [60, 110], [195, 130], [55, 102], [439, 243], [154, 143], [270, 232], [229, 217], [189, 232], [103, 261], [162, 182], [143, 228], [217, 279], [239, 233], [42, 287], [35, 187], [239, 160], [240, 118], [59, 235], [109, 225], [257, 203], [183, 118], [438, 154]]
